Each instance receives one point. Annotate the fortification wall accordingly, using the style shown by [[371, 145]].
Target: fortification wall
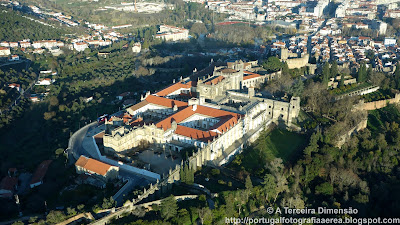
[[360, 126], [297, 62], [377, 104]]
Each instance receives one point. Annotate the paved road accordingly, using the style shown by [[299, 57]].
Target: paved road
[[81, 143], [75, 148], [14, 62]]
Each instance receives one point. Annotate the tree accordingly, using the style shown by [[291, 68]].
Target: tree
[[248, 184], [269, 186], [168, 207], [276, 168], [362, 73], [55, 217], [285, 69], [108, 203], [32, 219], [18, 223], [341, 83], [187, 175], [80, 207], [53, 101], [297, 88], [49, 115], [334, 69], [183, 174], [325, 189], [370, 55], [205, 215], [59, 151], [397, 75], [198, 28], [325, 73], [71, 212], [273, 64]]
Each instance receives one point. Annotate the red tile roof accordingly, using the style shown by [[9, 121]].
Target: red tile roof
[[173, 88], [250, 75], [8, 183], [137, 122], [138, 105], [40, 172], [204, 136], [215, 80], [93, 165], [227, 120], [170, 103]]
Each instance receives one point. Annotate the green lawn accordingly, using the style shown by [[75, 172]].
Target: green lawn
[[271, 144], [283, 144]]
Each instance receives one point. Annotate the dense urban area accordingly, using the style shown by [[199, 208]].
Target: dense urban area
[[199, 112]]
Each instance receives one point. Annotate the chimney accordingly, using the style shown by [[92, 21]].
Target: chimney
[[194, 107]]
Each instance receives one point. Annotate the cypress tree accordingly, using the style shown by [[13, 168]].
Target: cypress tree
[[334, 69], [187, 174], [325, 73], [397, 75], [183, 174], [341, 83], [362, 73]]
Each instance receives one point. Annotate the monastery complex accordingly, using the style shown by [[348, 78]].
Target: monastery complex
[[215, 111]]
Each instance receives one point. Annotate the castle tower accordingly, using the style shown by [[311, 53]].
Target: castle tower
[[294, 109], [284, 53]]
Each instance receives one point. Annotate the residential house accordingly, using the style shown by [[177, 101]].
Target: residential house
[[137, 47], [14, 58], [40, 173], [5, 51], [16, 86], [8, 186], [45, 81], [80, 46], [121, 96]]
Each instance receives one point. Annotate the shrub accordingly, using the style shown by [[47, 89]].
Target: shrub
[[221, 182], [215, 172]]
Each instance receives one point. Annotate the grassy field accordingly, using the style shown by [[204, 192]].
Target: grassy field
[[283, 144], [277, 143]]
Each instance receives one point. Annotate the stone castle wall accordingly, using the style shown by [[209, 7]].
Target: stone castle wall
[[377, 104], [360, 126], [297, 62]]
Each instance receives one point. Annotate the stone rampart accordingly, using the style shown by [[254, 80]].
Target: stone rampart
[[377, 104]]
